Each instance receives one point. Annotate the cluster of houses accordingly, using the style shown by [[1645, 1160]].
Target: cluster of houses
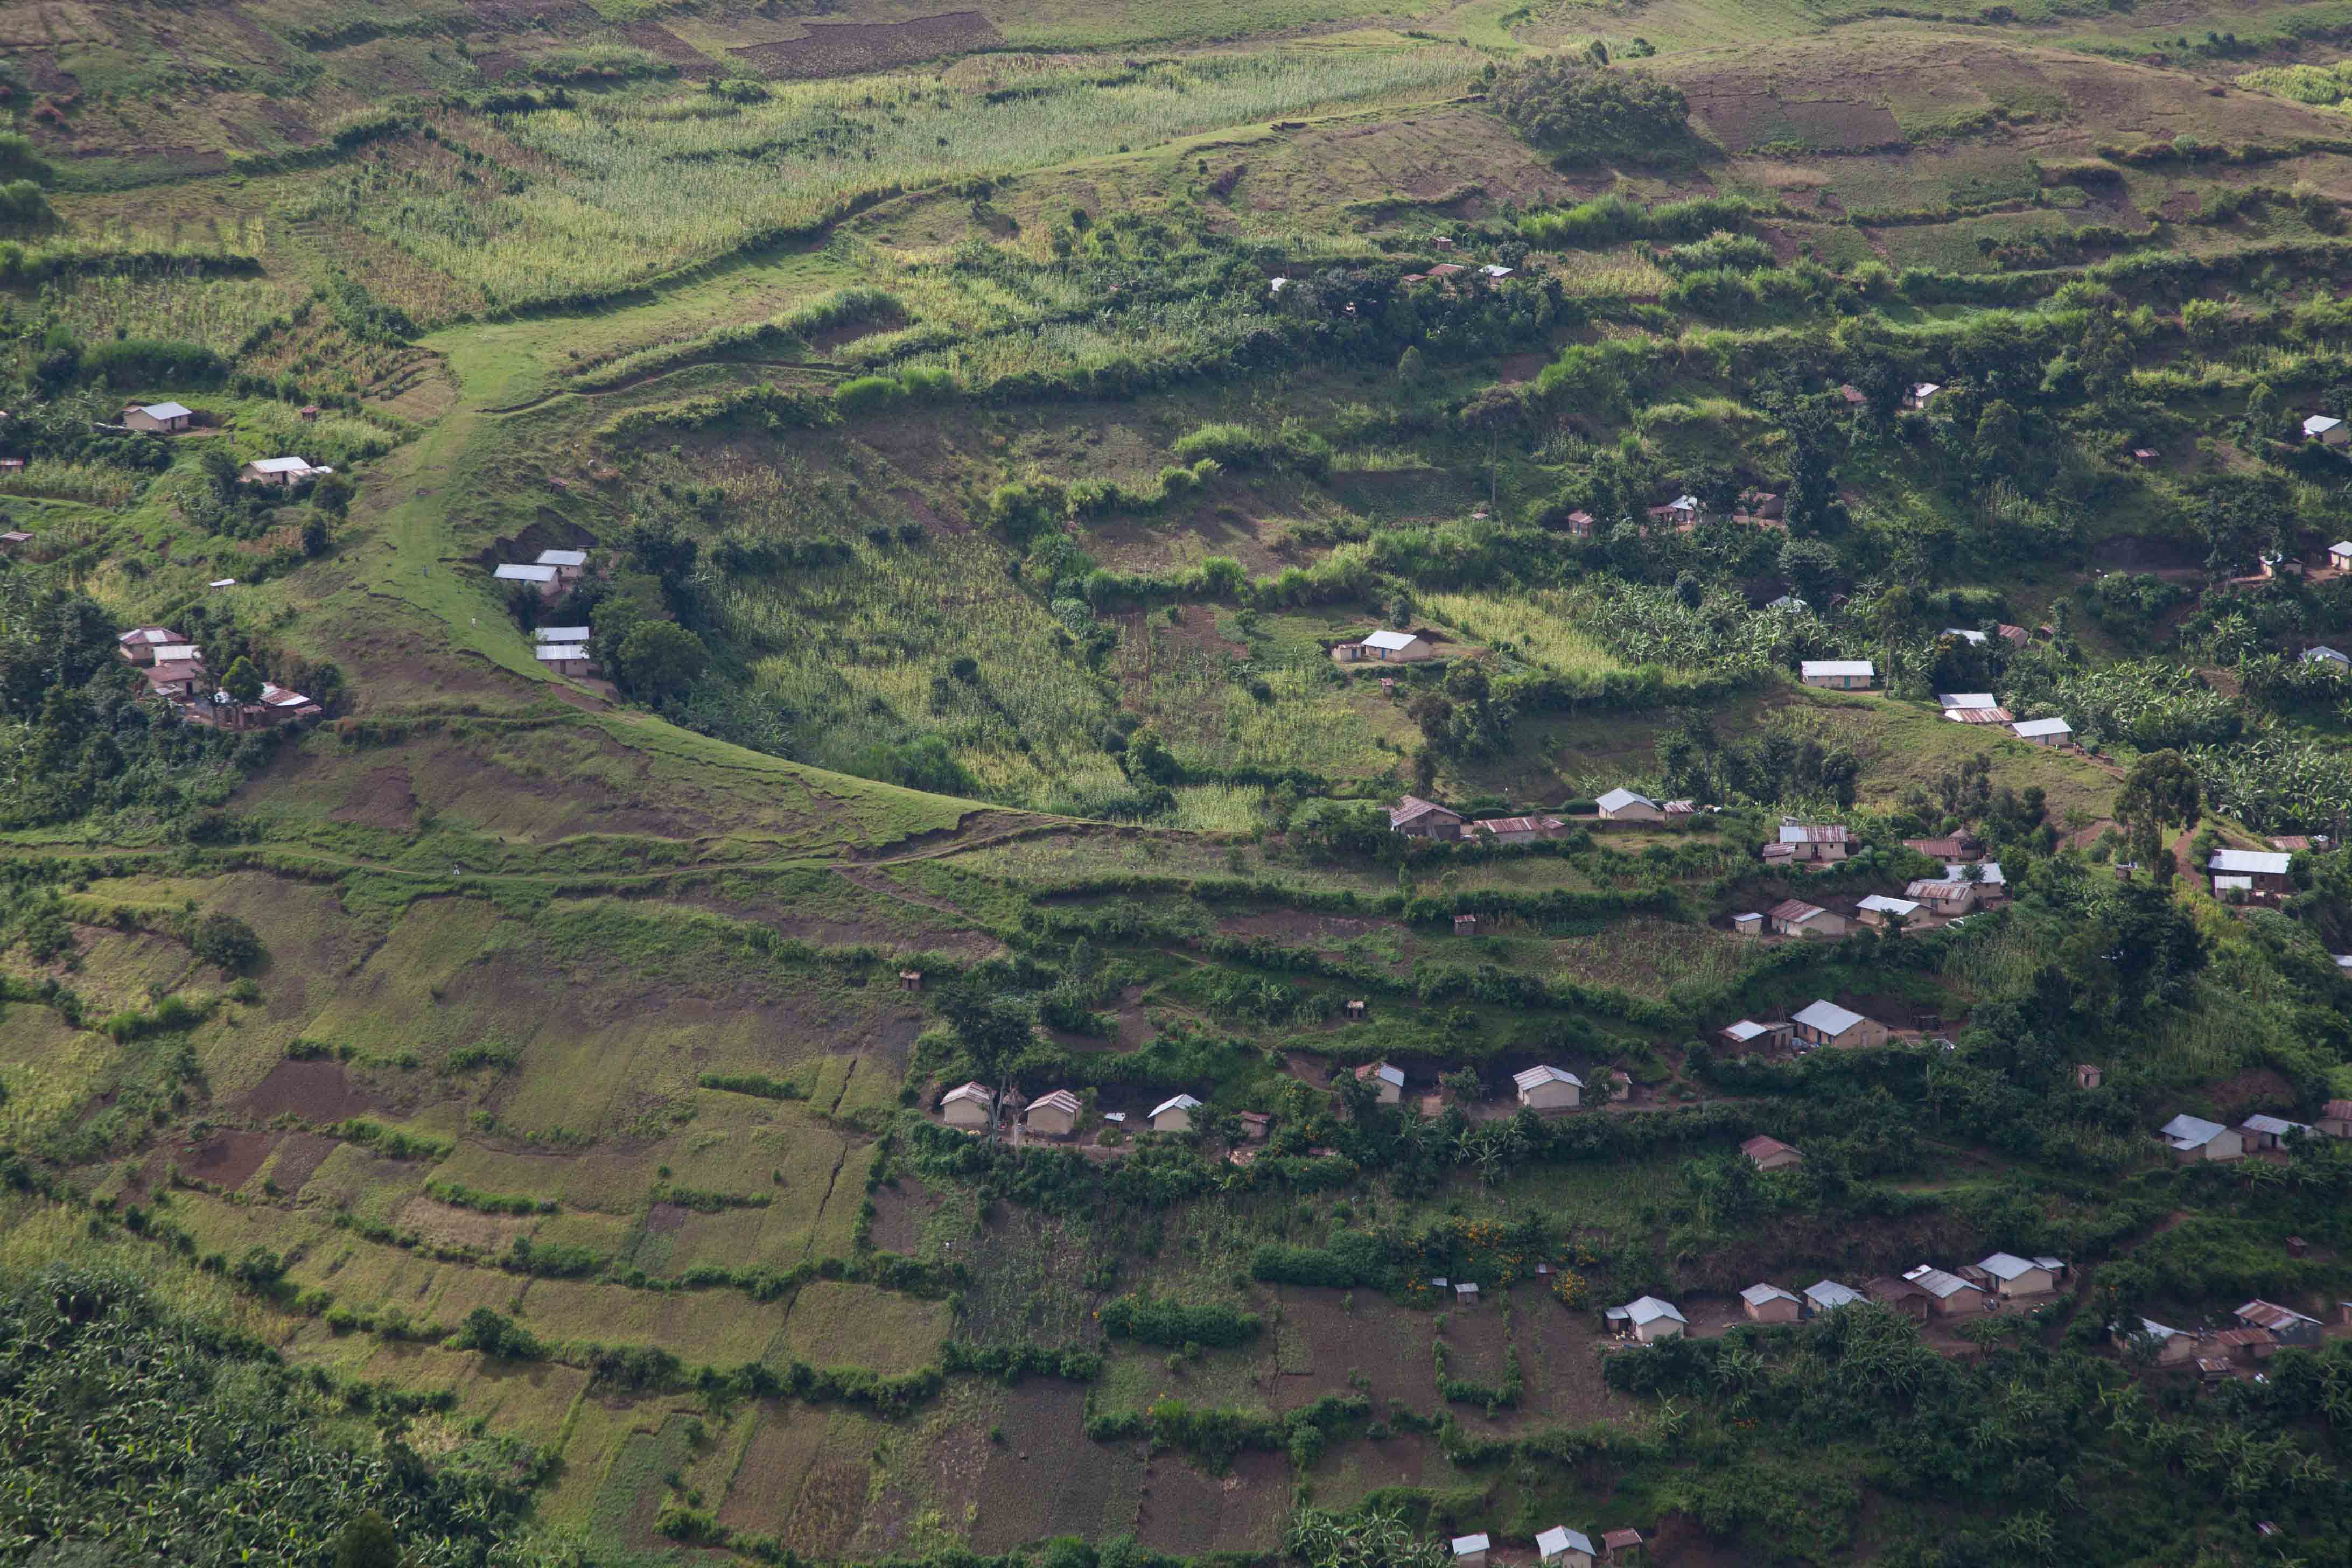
[[1558, 1547], [554, 571], [1539, 1088], [174, 671], [2262, 1327], [564, 649], [1055, 1114], [2193, 1138], [1922, 1293], [1418, 818]]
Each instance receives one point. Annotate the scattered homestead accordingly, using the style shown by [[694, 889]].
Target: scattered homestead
[[1768, 1154], [1385, 647], [175, 673], [2194, 1138], [1548, 1089], [1623, 805], [2256, 873], [1648, 1320], [1838, 673], [287, 471], [1827, 1024], [1387, 1082], [2326, 429], [157, 419], [2043, 731]]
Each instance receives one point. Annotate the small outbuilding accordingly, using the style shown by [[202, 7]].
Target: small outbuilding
[[1948, 1295], [2009, 1276], [1055, 1114], [1175, 1114], [157, 419], [2285, 1325], [2326, 429], [1560, 1547], [1828, 1296], [1888, 914], [2264, 1131], [1768, 1154], [1898, 1295], [1622, 804], [1824, 1022], [1387, 1082], [1385, 647], [1769, 1304], [279, 472], [2339, 556], [1549, 1088], [1794, 916], [1647, 1318], [1748, 1035], [1470, 1550], [2192, 1138], [970, 1105], [1418, 818], [2043, 731]]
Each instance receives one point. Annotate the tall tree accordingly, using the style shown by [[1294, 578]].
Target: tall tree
[[2161, 792]]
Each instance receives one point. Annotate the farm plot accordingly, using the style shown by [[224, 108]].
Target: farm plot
[[836, 1323]]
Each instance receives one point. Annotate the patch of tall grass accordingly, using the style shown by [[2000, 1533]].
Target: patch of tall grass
[[182, 304], [789, 333], [1536, 628], [633, 194], [92, 482]]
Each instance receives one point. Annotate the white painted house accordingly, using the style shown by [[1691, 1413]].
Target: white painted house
[[1838, 673]]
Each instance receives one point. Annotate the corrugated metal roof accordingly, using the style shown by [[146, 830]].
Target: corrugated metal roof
[[1391, 641], [2028, 728], [1837, 666], [1825, 1294], [1176, 1102], [1828, 1018], [1618, 799], [1537, 1077], [1756, 1295], [2250, 862]]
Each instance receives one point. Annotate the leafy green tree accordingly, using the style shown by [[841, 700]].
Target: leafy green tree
[[226, 943], [2162, 792], [661, 659], [367, 1543], [1410, 369], [2001, 439], [1579, 111], [242, 681]]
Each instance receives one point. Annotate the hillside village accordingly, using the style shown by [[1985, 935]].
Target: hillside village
[[1231, 786]]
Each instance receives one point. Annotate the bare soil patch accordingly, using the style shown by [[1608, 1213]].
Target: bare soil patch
[[316, 1092], [898, 1214], [656, 39], [1745, 121], [383, 799], [1187, 1512], [1387, 1345], [853, 49], [1047, 1479], [448, 1226], [1559, 1357], [229, 1160], [299, 1156]]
